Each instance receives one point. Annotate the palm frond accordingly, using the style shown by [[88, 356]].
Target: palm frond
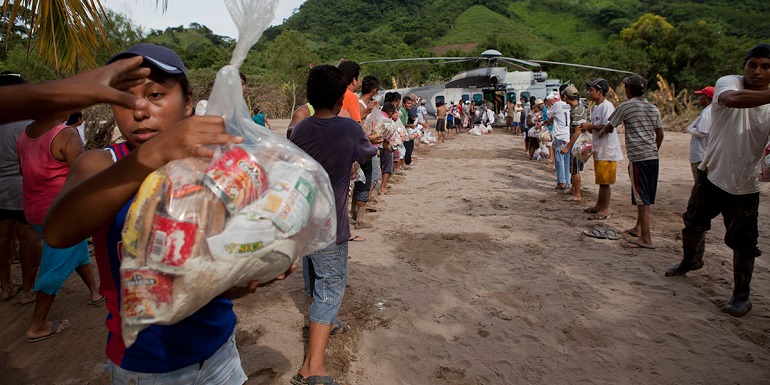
[[64, 33]]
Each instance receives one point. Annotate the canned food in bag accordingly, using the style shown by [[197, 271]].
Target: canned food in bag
[[172, 242], [236, 178], [145, 293]]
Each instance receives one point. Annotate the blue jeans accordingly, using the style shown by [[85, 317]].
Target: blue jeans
[[326, 274], [224, 367], [562, 163], [375, 171]]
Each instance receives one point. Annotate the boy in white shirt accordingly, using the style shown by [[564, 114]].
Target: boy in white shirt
[[607, 150], [699, 129]]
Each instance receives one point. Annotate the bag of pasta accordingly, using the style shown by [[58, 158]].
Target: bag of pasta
[[200, 226]]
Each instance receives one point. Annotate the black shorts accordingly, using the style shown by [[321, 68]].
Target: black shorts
[[441, 125], [575, 165], [644, 181], [533, 142], [13, 215], [450, 123]]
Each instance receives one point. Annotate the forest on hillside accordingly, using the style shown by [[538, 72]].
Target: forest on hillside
[[688, 43]]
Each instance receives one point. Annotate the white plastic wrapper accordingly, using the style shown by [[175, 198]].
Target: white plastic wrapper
[[199, 227], [583, 147]]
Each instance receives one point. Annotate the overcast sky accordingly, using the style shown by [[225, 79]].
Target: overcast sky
[[211, 13]]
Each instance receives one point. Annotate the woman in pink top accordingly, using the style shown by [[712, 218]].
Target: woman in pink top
[[47, 149]]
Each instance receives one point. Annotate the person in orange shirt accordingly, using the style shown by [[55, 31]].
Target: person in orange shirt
[[352, 72]]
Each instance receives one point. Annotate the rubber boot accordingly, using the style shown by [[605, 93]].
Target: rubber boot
[[693, 246], [740, 304]]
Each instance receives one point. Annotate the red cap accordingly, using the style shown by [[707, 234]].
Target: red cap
[[708, 91]]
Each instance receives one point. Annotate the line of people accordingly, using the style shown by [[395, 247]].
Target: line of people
[[729, 139], [152, 105]]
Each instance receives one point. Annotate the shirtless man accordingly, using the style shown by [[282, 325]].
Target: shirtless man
[[441, 121]]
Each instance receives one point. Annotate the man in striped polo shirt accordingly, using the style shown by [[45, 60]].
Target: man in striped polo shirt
[[644, 135]]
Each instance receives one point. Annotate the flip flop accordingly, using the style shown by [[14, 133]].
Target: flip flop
[[612, 235], [636, 245], [97, 302], [53, 332], [339, 328], [371, 209], [356, 238], [313, 380], [597, 217], [595, 233], [297, 380]]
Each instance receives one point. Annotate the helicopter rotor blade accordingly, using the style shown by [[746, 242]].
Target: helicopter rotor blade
[[417, 59], [520, 61], [454, 61], [515, 65], [585, 66]]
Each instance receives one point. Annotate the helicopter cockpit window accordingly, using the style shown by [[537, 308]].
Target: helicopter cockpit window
[[525, 95], [466, 97], [477, 99], [439, 100], [511, 97]]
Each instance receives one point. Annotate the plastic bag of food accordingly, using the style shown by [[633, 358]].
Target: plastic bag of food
[[545, 136], [764, 165], [583, 147], [201, 226]]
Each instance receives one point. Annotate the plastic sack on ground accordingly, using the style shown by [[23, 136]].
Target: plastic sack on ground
[[201, 226], [583, 147], [764, 165]]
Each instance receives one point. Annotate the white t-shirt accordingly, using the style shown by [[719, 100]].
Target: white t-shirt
[[736, 141], [699, 129], [607, 148], [422, 114], [560, 112]]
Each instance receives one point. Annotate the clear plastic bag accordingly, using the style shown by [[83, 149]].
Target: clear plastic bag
[[583, 147], [199, 227], [545, 136]]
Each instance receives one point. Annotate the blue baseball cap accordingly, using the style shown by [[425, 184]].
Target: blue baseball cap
[[599, 84], [159, 57]]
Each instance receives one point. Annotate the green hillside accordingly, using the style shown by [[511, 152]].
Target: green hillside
[[577, 31]]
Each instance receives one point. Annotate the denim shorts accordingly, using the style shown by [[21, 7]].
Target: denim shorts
[[326, 274], [224, 368]]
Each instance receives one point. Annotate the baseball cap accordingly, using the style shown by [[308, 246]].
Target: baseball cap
[[161, 58], [539, 102], [571, 91], [708, 91], [423, 101], [600, 84]]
